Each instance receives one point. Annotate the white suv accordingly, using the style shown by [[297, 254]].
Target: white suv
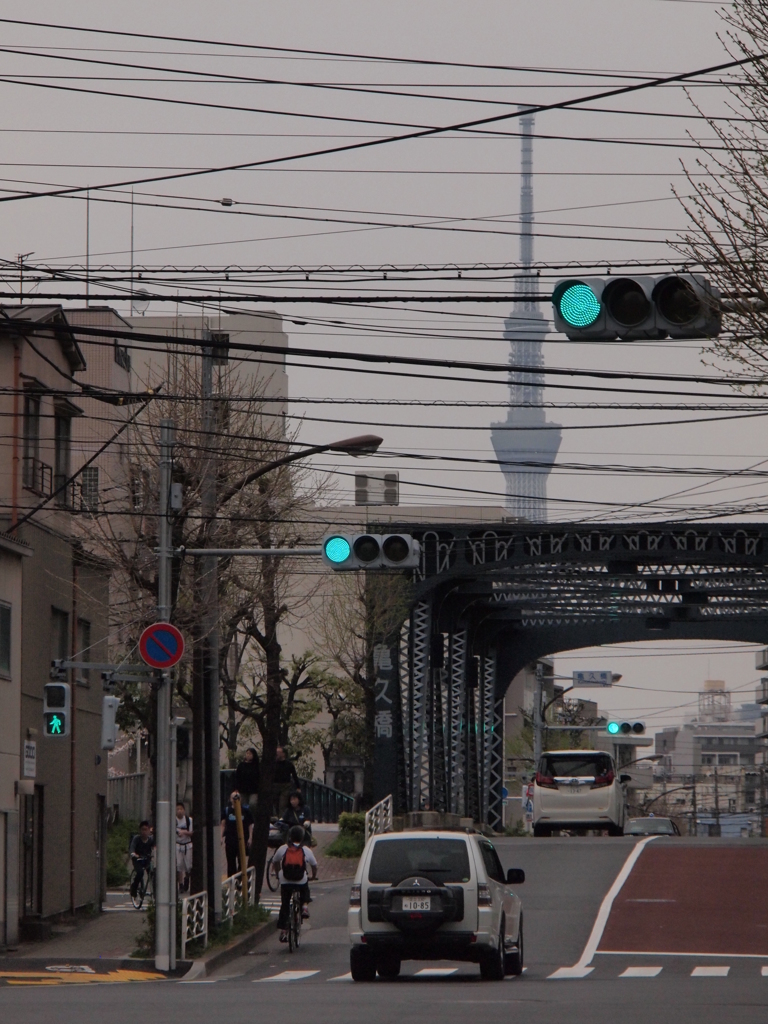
[[434, 895], [578, 789]]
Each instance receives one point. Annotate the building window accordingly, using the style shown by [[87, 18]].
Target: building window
[[63, 445], [83, 652], [89, 489], [59, 635], [122, 356], [5, 640], [30, 470]]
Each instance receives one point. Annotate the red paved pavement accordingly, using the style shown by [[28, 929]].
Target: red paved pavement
[[683, 899]]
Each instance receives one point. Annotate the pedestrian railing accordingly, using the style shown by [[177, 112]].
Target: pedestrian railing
[[379, 818], [194, 920], [232, 894]]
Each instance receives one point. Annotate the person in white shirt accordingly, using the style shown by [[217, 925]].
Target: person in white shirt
[[183, 847], [290, 866]]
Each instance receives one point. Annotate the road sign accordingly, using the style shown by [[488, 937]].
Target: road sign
[[30, 759], [592, 678], [161, 645]]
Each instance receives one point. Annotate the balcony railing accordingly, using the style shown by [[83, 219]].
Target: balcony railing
[[36, 475]]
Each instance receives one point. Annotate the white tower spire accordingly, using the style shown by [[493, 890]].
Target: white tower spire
[[525, 443]]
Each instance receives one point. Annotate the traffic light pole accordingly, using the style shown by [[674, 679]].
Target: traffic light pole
[[538, 718], [165, 892]]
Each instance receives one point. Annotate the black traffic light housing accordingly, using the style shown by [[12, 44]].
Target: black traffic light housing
[[57, 708], [642, 306]]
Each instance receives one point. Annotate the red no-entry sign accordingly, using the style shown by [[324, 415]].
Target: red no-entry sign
[[161, 645]]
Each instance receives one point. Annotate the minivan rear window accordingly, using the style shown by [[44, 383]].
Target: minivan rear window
[[440, 860], [575, 765]]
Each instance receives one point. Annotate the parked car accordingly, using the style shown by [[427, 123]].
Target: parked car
[[434, 895], [651, 826], [578, 789]]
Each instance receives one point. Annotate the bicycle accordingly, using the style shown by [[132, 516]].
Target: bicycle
[[272, 880], [294, 921], [145, 887]]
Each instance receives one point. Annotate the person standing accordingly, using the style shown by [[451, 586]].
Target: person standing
[[284, 782], [229, 833], [247, 779], [183, 847]]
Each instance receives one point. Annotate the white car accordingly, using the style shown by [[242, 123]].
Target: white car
[[434, 895], [578, 789]]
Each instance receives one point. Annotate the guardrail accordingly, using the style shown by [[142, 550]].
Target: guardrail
[[232, 894], [379, 818], [194, 920]]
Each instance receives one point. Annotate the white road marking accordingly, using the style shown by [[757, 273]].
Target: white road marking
[[764, 971], [566, 973], [289, 976], [640, 952], [641, 972], [435, 972], [202, 981], [341, 977], [710, 972]]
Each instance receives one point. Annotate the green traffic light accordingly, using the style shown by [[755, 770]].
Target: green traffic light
[[613, 728], [54, 725], [578, 305], [337, 549]]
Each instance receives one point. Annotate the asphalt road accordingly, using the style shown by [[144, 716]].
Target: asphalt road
[[567, 881]]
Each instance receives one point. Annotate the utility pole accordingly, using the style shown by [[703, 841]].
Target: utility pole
[[166, 889], [209, 603], [762, 800], [538, 723], [717, 805], [694, 806]]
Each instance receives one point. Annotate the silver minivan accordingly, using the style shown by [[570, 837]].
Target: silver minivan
[[434, 895]]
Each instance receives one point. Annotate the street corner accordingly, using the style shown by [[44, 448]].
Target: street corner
[[25, 973]]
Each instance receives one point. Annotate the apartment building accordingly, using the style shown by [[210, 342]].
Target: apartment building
[[53, 604]]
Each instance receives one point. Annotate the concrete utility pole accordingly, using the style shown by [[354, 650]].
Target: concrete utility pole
[[209, 597], [717, 805], [165, 892]]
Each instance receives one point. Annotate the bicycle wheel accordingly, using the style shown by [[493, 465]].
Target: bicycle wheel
[[138, 890], [273, 882], [294, 922]]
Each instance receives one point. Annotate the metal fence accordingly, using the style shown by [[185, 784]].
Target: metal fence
[[325, 803], [128, 797], [232, 894], [379, 818], [194, 920]]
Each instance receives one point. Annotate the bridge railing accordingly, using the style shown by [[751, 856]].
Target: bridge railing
[[379, 818]]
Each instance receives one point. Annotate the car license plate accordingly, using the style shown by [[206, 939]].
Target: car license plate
[[417, 902]]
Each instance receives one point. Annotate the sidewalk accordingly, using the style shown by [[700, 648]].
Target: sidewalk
[[112, 935]]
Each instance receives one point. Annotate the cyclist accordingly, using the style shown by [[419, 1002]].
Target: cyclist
[[290, 865], [298, 814], [140, 851]]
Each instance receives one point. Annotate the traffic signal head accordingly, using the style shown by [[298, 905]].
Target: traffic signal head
[[371, 551], [625, 728], [109, 706], [674, 305], [57, 703]]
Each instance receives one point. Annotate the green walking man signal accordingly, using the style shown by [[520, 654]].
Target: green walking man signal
[[57, 705]]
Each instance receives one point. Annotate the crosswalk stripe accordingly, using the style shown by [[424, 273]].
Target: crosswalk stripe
[[289, 976], [435, 972], [764, 971], [710, 972], [641, 972], [566, 973]]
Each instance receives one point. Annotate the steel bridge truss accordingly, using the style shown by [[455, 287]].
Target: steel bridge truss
[[488, 600]]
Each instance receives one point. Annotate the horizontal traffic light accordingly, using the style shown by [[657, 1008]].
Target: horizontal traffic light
[[625, 728], [371, 551], [674, 305]]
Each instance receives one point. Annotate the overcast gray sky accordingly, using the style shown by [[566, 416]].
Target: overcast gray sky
[[604, 200]]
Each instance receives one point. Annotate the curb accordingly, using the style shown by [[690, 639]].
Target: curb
[[218, 958]]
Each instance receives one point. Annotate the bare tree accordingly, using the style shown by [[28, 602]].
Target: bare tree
[[364, 609], [728, 202]]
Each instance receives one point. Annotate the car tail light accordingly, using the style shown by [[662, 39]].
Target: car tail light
[[603, 780], [545, 781], [484, 895], [354, 896]]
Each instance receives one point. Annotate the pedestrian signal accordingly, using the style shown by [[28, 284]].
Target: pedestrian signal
[[57, 706]]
